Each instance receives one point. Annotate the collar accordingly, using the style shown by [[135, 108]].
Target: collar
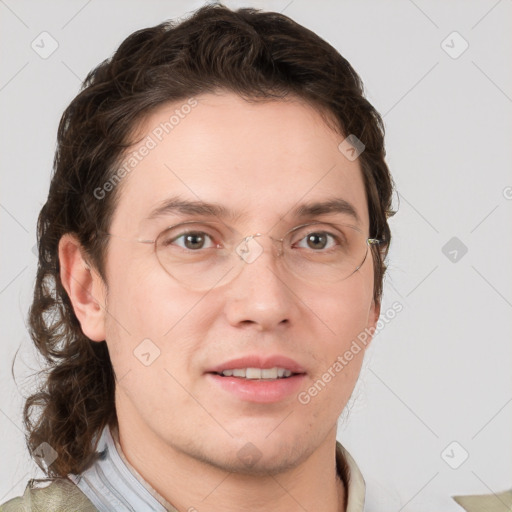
[[355, 487], [112, 483]]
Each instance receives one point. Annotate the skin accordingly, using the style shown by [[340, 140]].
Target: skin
[[178, 431]]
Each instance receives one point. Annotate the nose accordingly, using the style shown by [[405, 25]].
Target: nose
[[261, 295]]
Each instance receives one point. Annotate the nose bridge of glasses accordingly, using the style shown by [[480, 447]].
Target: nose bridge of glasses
[[252, 246]]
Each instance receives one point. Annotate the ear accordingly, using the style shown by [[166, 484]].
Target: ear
[[373, 318], [84, 286]]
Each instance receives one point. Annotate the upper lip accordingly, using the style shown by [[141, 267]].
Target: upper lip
[[259, 361]]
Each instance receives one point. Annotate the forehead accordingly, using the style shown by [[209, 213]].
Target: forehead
[[260, 161]]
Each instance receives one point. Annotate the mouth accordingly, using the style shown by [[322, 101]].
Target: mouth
[[258, 379], [258, 373]]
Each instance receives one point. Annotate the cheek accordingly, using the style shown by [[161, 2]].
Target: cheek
[[143, 301], [344, 318], [149, 321], [152, 334], [340, 355], [346, 313]]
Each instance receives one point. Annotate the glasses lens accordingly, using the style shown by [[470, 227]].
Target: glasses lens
[[325, 253], [204, 255], [197, 254]]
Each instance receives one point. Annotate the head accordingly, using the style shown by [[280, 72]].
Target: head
[[245, 110]]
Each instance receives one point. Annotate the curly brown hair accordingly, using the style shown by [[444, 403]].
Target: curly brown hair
[[261, 56]]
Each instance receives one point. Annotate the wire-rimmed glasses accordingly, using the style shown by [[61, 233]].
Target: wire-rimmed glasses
[[201, 255]]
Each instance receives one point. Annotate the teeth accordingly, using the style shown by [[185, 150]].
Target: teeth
[[254, 373], [258, 373], [269, 373]]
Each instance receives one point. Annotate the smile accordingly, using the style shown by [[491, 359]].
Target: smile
[[257, 373]]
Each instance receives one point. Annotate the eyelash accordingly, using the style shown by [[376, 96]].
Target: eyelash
[[333, 238], [189, 233]]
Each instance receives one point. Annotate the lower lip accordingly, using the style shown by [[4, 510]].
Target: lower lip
[[259, 391]]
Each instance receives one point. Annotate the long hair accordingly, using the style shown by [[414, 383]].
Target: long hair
[[261, 56]]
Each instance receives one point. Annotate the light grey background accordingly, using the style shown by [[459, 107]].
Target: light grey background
[[440, 370]]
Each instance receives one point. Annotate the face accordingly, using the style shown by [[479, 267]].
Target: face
[[260, 161]]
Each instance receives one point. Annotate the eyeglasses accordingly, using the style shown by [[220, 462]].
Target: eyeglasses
[[202, 255]]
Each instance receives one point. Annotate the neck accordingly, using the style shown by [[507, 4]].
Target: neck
[[190, 484]]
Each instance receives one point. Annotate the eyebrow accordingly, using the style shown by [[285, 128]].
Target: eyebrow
[[336, 205], [177, 206]]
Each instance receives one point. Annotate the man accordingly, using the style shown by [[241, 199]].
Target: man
[[210, 254]]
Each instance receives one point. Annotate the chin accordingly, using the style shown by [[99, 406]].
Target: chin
[[251, 460], [266, 452]]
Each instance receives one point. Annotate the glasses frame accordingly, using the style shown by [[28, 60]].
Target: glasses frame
[[368, 241]]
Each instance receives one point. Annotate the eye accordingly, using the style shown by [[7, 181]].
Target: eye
[[318, 240], [192, 240]]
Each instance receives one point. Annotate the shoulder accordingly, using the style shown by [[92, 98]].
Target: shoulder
[[53, 494]]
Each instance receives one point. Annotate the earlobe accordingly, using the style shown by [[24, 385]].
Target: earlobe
[[85, 288], [373, 318], [375, 312]]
